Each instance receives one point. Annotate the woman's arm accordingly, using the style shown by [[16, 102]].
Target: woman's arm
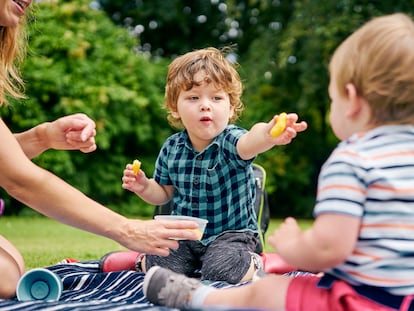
[[51, 196]]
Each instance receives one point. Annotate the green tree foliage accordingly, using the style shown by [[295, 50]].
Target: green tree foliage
[[79, 61], [286, 70], [284, 49], [174, 27], [157, 23]]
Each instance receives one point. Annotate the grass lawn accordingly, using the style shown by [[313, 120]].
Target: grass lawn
[[274, 224], [44, 242]]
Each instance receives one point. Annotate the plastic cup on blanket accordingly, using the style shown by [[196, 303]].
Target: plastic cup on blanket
[[39, 284], [201, 222]]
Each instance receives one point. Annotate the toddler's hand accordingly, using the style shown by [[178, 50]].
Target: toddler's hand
[[136, 166], [280, 125], [290, 131], [132, 181]]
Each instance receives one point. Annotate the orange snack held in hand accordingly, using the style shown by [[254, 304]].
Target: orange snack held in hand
[[136, 165], [280, 125], [198, 232]]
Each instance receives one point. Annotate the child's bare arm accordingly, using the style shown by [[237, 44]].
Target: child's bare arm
[[146, 188], [259, 140], [328, 242]]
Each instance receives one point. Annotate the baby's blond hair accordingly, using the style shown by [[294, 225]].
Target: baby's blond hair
[[218, 70], [379, 60]]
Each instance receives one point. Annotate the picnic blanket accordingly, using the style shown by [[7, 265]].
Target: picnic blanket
[[86, 288]]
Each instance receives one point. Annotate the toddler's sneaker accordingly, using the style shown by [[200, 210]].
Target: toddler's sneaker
[[258, 261], [258, 274], [165, 287]]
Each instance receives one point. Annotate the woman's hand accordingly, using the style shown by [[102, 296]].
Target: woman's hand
[[73, 132], [156, 237]]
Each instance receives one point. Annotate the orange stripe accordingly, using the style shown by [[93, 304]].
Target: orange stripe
[[393, 154], [389, 226], [352, 154], [382, 280], [361, 254], [340, 186], [381, 187]]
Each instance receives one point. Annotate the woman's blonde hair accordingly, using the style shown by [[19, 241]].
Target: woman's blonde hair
[[218, 70], [379, 60], [12, 53]]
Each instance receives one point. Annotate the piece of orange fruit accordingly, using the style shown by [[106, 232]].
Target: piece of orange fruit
[[280, 125], [198, 232], [136, 165]]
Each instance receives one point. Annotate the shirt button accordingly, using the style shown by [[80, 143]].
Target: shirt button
[[196, 181], [199, 157]]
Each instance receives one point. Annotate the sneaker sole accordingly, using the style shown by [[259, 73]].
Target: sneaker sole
[[148, 278]]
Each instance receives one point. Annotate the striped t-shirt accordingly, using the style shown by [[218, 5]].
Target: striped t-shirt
[[371, 176]]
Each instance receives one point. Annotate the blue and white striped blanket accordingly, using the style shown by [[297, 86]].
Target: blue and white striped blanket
[[85, 289]]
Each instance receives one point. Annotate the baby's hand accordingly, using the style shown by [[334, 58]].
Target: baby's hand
[[283, 236], [284, 127]]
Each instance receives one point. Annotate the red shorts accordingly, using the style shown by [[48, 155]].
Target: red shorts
[[305, 294]]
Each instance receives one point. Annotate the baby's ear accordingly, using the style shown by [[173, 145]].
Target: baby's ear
[[354, 100], [351, 90]]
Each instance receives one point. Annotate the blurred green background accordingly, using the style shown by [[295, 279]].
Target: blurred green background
[[109, 59]]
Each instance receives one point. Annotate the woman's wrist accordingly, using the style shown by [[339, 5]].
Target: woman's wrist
[[43, 142], [122, 232]]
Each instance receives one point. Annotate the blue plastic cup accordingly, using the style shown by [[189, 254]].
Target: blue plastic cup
[[39, 284]]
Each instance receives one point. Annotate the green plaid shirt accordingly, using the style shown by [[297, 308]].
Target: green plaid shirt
[[214, 184]]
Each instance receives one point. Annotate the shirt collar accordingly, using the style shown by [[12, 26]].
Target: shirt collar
[[184, 139]]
